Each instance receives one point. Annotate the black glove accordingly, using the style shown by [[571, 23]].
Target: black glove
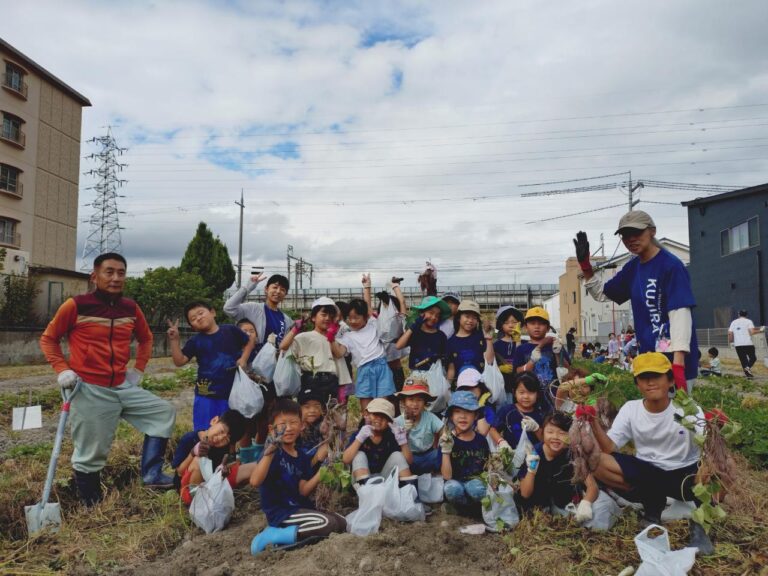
[[582, 251]]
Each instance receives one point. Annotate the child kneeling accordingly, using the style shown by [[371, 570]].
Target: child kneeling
[[285, 480]]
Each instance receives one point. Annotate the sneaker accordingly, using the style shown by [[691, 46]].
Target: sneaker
[[748, 373]]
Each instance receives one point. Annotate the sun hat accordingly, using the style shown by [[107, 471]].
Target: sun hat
[[414, 387], [537, 312], [468, 378], [503, 314], [452, 295], [322, 301], [381, 406], [430, 301], [465, 400], [637, 220], [651, 363], [468, 306]]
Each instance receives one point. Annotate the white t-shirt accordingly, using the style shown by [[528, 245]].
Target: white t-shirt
[[363, 344], [658, 438], [740, 328], [446, 327]]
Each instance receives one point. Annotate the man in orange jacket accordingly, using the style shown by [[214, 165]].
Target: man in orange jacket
[[99, 327]]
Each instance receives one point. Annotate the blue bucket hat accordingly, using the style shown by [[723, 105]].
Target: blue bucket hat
[[465, 400]]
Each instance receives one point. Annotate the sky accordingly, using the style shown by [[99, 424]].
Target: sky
[[373, 136]]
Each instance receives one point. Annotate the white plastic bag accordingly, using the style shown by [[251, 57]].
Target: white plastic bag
[[502, 509], [213, 504], [400, 502], [266, 360], [677, 510], [287, 375], [438, 387], [494, 381], [430, 488], [389, 323], [605, 512], [657, 556], [246, 396], [367, 518], [523, 448]]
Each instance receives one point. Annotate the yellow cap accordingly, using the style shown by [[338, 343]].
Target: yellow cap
[[653, 362], [537, 312]]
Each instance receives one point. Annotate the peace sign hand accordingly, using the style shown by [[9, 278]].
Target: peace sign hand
[[366, 280], [173, 329]]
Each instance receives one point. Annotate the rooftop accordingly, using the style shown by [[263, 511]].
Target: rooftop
[[759, 189]]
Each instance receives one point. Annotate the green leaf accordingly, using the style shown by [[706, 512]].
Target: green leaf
[[718, 513], [486, 502], [701, 492], [699, 439]]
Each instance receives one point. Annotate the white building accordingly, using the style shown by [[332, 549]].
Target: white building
[[598, 319], [552, 306]]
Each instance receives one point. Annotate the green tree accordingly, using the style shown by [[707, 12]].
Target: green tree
[[162, 293], [17, 300], [209, 257]]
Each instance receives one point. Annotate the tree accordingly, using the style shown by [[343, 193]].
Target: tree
[[162, 293], [208, 257]]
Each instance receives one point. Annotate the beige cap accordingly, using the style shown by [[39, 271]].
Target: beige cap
[[381, 406], [468, 306], [636, 219]]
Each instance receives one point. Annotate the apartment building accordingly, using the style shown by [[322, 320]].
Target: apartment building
[[39, 176]]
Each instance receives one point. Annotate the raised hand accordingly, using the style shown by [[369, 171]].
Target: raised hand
[[487, 329], [401, 437], [581, 243], [364, 433], [255, 280], [173, 329], [366, 280], [446, 441], [274, 440]]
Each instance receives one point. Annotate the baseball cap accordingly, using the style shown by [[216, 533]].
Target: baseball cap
[[465, 400], [416, 388], [455, 296], [504, 312], [309, 394], [636, 219], [381, 406], [651, 363], [468, 378], [322, 301], [468, 306], [537, 312]]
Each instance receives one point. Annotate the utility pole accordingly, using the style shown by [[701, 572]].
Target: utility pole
[[240, 243], [299, 269], [631, 189]]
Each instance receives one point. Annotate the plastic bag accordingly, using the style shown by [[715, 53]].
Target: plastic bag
[[367, 518], [389, 323], [494, 381], [246, 396], [502, 513], [266, 360], [657, 556], [430, 488], [287, 375], [213, 504], [400, 502], [677, 510], [439, 387], [523, 448], [605, 512]]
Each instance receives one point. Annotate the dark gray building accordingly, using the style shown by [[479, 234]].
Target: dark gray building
[[728, 237]]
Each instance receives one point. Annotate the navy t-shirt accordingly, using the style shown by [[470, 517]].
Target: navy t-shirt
[[655, 287], [466, 351], [378, 453], [279, 492], [426, 346], [509, 422], [553, 482], [468, 457], [505, 351], [217, 355], [545, 369], [275, 324]]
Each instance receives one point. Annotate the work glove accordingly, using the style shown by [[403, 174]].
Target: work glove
[[582, 251], [133, 376], [583, 511], [274, 441], [529, 424], [557, 345], [400, 435], [408, 423], [593, 379], [201, 448], [446, 441], [366, 280], [678, 371], [506, 368], [67, 379], [364, 433], [487, 329], [532, 461], [504, 445], [330, 334], [297, 325], [536, 355]]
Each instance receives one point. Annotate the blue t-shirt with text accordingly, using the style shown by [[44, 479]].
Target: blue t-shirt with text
[[509, 422], [279, 492], [275, 324], [217, 355], [466, 351], [505, 351]]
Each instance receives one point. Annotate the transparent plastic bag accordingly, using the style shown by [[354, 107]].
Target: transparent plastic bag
[[523, 448], [287, 375], [212, 504], [266, 360], [502, 512], [400, 502], [605, 512], [430, 488], [658, 557], [494, 381], [389, 323], [438, 387], [367, 518], [246, 396]]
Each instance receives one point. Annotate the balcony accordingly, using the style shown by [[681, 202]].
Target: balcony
[[15, 189], [10, 239], [15, 85], [14, 135]]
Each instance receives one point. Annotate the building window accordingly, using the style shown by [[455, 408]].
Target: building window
[[13, 79], [740, 237], [9, 179], [574, 297], [12, 129], [8, 234]]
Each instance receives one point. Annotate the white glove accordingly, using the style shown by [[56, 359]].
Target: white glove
[[532, 461], [408, 424], [504, 445], [536, 355], [446, 441], [557, 345], [133, 376], [364, 433], [584, 511], [67, 379], [400, 435], [529, 424]]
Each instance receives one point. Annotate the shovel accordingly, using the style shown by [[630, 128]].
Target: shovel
[[46, 514]]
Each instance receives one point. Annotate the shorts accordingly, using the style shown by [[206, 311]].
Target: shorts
[[184, 492], [374, 380], [325, 383], [652, 485]]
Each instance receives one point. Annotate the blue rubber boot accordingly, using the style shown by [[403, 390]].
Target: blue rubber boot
[[152, 458], [272, 536]]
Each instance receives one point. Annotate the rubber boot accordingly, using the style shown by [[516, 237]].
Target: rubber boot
[[273, 536], [699, 539], [88, 487], [152, 458]]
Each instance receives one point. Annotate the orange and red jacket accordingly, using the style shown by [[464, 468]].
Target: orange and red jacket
[[99, 328]]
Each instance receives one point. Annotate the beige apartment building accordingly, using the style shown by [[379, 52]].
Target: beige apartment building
[[39, 176]]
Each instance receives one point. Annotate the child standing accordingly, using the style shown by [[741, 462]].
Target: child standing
[[285, 480], [546, 477], [219, 350], [423, 427], [427, 342], [453, 299], [508, 319], [472, 344], [525, 414], [538, 355], [464, 451], [322, 369], [714, 363]]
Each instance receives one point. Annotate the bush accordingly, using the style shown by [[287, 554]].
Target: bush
[[17, 300]]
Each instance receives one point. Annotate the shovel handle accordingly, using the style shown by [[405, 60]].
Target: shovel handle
[[67, 396]]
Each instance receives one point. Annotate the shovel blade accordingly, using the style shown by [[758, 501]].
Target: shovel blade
[[43, 517]]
